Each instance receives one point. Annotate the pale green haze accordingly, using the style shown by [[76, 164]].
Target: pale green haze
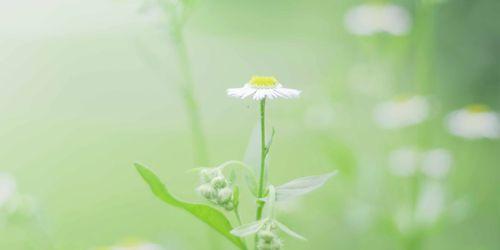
[[401, 99]]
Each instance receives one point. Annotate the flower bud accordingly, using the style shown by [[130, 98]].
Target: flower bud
[[276, 244], [206, 191], [266, 235], [229, 206], [225, 195], [268, 239], [262, 245], [207, 174], [219, 182]]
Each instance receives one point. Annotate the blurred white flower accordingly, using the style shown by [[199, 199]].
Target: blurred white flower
[[430, 203], [7, 188], [22, 204], [436, 163], [474, 122], [369, 19], [261, 87], [401, 112], [320, 116], [403, 162]]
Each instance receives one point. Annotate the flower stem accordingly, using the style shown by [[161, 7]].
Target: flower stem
[[262, 174]]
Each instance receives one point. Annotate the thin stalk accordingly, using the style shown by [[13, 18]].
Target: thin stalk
[[191, 105], [260, 194], [238, 217], [188, 94], [187, 82]]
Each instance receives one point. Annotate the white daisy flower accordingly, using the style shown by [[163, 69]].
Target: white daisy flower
[[7, 188], [474, 122], [263, 87], [369, 19], [401, 112]]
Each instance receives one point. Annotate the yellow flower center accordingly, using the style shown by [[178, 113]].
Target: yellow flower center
[[477, 108], [263, 81]]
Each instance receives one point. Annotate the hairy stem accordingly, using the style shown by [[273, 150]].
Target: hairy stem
[[262, 174]]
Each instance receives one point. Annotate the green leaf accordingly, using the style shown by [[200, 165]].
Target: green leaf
[[289, 231], [211, 216], [270, 141], [301, 186], [253, 154], [248, 229], [236, 197]]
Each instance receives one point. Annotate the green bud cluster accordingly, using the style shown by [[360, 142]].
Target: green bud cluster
[[268, 239], [216, 188]]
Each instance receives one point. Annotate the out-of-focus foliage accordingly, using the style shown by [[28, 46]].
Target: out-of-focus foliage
[[401, 97]]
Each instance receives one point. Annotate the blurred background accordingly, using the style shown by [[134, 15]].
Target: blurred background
[[402, 97]]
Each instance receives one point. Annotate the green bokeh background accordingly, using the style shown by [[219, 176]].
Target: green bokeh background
[[87, 88]]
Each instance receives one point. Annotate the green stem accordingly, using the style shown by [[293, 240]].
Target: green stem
[[187, 91], [260, 194], [187, 83], [201, 156], [238, 217]]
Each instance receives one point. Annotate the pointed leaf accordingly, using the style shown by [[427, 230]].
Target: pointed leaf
[[270, 202], [252, 153], [211, 216], [289, 231], [301, 186], [254, 147], [248, 229], [270, 141], [236, 197]]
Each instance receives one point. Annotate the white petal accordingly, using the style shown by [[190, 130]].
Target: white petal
[[248, 93], [242, 93], [259, 95], [235, 92], [269, 94], [288, 93]]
